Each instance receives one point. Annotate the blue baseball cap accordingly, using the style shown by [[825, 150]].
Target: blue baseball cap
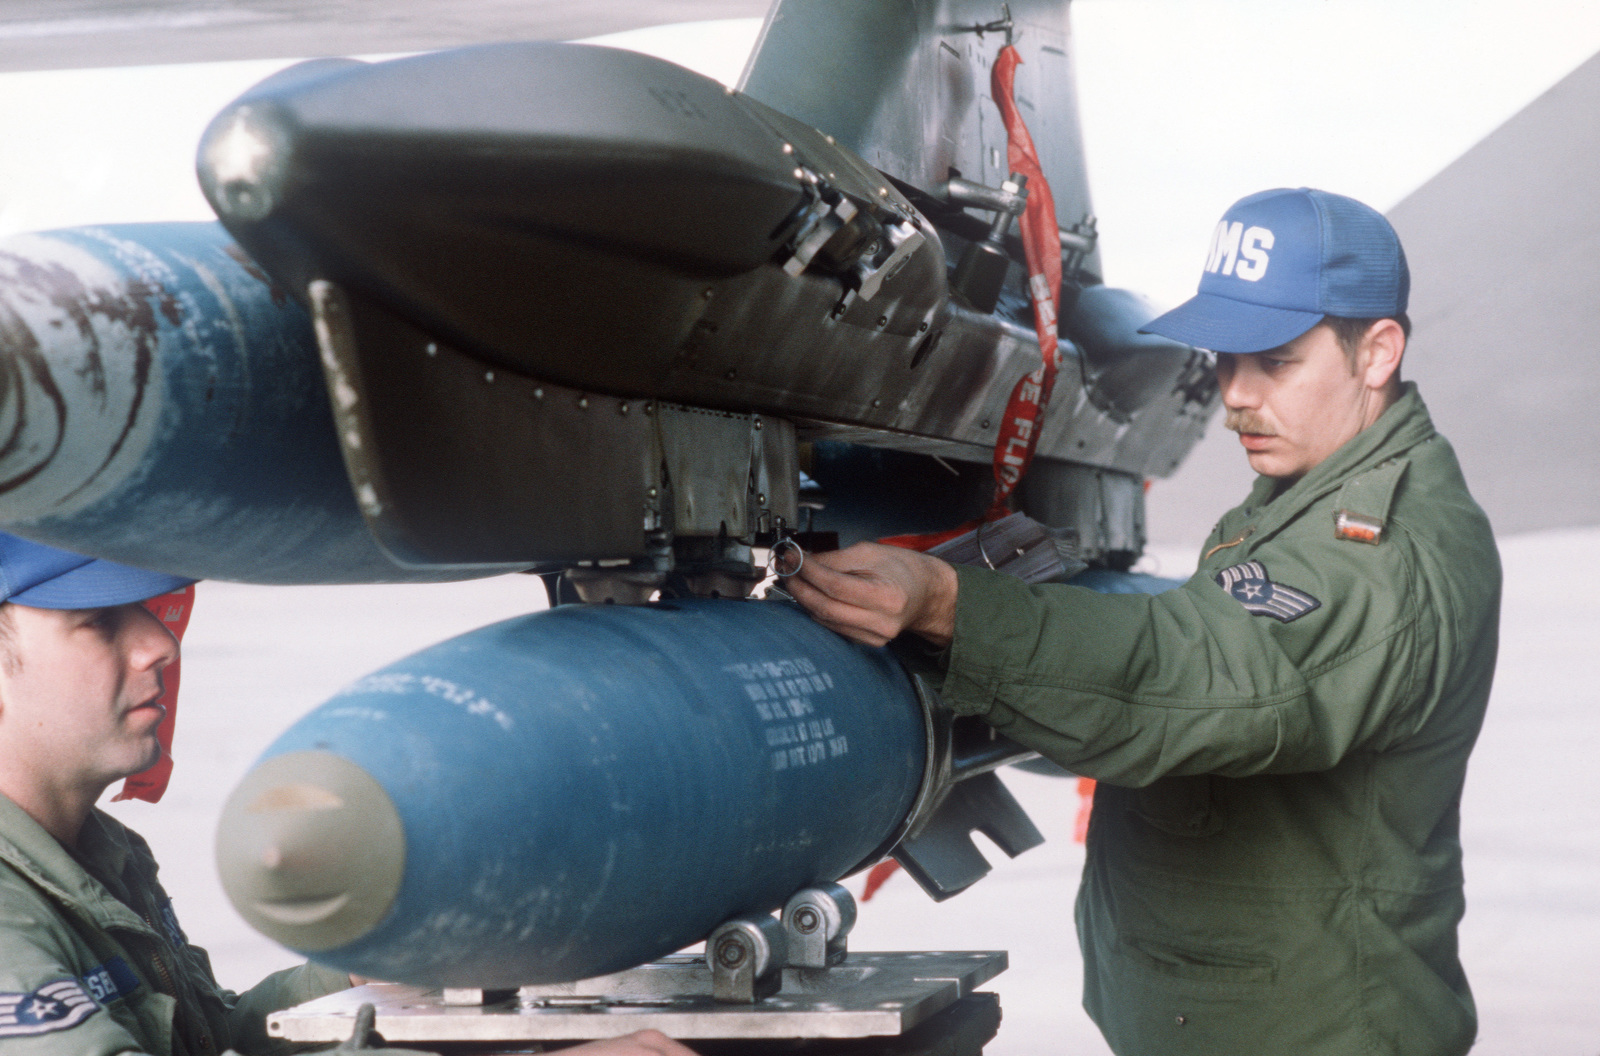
[[1280, 261], [43, 577]]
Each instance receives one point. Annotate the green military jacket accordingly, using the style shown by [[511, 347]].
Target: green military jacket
[[93, 962], [1274, 864]]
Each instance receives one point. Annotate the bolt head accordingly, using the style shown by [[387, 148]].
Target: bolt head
[[730, 953], [806, 920]]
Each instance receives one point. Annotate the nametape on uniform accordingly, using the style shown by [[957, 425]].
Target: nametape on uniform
[[111, 981], [54, 1006], [1260, 596]]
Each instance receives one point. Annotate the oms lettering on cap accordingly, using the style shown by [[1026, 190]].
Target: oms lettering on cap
[[1239, 251]]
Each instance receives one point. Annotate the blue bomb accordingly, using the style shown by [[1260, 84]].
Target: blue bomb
[[163, 405], [572, 793]]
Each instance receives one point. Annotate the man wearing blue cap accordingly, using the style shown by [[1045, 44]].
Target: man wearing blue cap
[[92, 960], [1274, 863]]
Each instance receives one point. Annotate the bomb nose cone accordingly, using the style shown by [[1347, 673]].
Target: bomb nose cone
[[311, 850]]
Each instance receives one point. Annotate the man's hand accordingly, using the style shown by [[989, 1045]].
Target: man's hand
[[639, 1043], [871, 593]]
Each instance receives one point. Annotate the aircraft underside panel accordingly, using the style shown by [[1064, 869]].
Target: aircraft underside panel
[[905, 85], [579, 306]]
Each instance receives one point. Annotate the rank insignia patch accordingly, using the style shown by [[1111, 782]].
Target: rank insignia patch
[[1248, 583], [54, 1006]]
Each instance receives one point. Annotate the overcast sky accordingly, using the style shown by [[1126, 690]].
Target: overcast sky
[[1187, 106]]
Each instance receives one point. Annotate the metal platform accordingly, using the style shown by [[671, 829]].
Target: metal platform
[[870, 995]]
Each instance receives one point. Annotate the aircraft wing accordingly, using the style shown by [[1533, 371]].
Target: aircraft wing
[[74, 34]]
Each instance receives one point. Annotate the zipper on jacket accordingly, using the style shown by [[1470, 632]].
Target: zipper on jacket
[[168, 987], [171, 989]]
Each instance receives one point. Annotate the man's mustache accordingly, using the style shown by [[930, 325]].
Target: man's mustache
[[1244, 421]]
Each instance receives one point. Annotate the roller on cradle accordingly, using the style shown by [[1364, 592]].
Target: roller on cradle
[[162, 404]]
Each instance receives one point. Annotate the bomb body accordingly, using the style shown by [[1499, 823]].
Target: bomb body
[[574, 792], [162, 404]]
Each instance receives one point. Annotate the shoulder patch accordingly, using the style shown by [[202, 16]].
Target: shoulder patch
[[54, 1006], [1260, 596]]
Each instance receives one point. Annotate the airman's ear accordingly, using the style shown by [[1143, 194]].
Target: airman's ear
[[1382, 347]]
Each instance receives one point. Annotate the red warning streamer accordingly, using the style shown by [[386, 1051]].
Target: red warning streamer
[[1019, 429], [150, 785]]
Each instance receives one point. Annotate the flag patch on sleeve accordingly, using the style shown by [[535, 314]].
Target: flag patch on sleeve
[[54, 1006], [1260, 596]]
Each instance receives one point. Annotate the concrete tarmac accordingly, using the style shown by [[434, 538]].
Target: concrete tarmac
[[258, 657]]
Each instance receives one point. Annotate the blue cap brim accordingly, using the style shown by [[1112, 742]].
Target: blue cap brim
[[1223, 324], [98, 585]]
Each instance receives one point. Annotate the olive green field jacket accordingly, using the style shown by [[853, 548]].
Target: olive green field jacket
[[93, 962], [1274, 862]]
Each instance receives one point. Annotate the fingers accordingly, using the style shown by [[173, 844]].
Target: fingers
[[874, 592], [854, 575], [857, 622], [871, 593], [656, 1042], [856, 634], [640, 1043], [866, 575]]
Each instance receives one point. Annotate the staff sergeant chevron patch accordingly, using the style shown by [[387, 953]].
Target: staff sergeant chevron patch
[[1261, 597], [54, 1006]]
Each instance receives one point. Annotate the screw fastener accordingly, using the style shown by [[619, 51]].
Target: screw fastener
[[730, 953]]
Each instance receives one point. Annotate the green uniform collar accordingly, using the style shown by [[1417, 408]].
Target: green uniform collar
[[1399, 429], [33, 852]]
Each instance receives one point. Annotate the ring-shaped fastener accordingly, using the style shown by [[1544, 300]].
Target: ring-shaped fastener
[[773, 558], [978, 538]]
